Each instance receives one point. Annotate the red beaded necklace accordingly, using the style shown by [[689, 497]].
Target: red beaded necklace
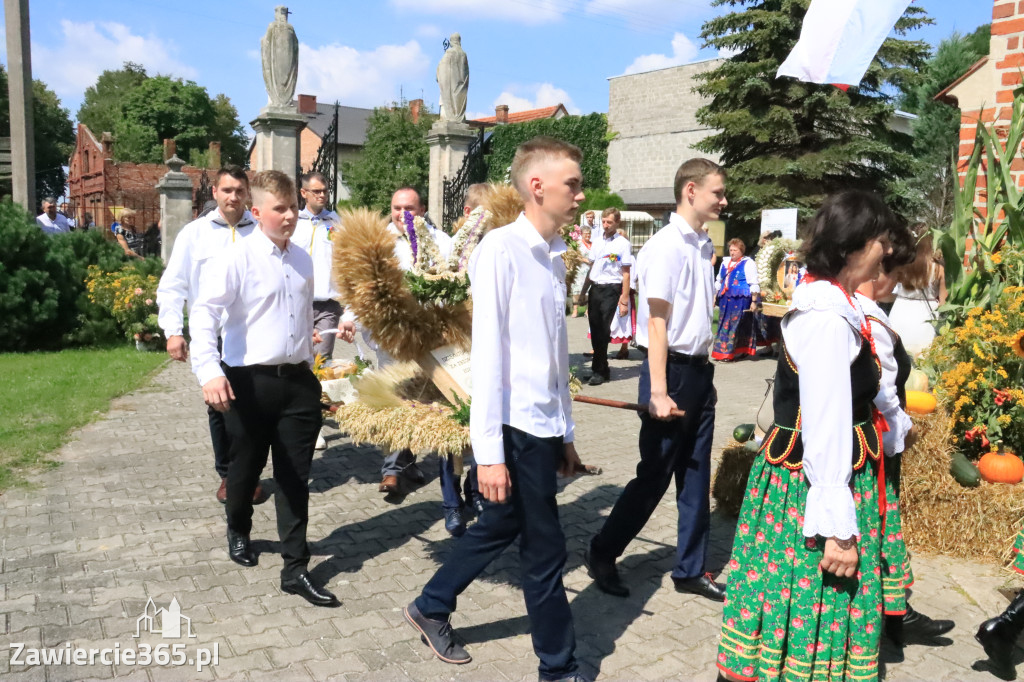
[[865, 325]]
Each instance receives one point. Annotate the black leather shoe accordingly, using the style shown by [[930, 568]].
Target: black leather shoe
[[303, 586], [454, 522], [605, 575], [239, 549], [704, 586], [998, 637], [918, 627], [596, 380], [571, 677], [438, 635], [413, 474]]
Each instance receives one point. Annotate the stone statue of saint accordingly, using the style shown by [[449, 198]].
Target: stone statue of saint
[[280, 51], [453, 77]]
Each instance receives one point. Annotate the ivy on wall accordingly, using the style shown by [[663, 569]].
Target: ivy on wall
[[589, 133]]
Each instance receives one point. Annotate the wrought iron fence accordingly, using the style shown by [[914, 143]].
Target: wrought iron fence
[[103, 216], [474, 169], [326, 161]]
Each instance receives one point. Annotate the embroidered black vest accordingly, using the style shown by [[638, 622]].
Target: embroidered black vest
[[783, 445]]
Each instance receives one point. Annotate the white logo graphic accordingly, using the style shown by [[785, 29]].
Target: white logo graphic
[[164, 622]]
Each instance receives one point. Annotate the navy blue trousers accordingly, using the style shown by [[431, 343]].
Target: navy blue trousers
[[679, 449], [532, 516]]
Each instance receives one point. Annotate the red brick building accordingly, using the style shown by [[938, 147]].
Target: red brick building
[[102, 187], [985, 92]]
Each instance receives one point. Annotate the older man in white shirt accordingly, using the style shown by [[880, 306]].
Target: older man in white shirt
[[50, 221], [521, 423]]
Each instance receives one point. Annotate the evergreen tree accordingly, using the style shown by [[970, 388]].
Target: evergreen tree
[[786, 143], [395, 154], [937, 128]]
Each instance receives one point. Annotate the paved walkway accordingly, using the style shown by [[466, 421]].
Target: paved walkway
[[130, 516]]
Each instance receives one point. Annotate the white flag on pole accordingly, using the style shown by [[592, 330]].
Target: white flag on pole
[[839, 38]]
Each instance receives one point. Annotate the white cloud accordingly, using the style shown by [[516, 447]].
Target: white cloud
[[525, 11], [728, 52], [524, 97], [87, 49], [429, 32], [683, 51], [648, 15], [360, 78]]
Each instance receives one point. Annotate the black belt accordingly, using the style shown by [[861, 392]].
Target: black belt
[[284, 370], [617, 285], [675, 358]]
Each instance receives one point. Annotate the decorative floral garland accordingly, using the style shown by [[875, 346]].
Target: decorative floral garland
[[467, 238], [768, 260]]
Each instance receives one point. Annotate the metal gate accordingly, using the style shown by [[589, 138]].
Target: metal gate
[[474, 169], [204, 193], [326, 161]]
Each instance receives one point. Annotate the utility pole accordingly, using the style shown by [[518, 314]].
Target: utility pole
[[19, 86]]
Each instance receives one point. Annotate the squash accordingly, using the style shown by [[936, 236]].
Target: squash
[[917, 381], [920, 402], [752, 446], [1001, 467], [964, 471], [743, 432]]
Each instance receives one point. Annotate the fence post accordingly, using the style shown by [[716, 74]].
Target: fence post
[[175, 189]]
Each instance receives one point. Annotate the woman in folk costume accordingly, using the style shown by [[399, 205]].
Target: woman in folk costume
[[738, 299], [902, 623], [805, 586]]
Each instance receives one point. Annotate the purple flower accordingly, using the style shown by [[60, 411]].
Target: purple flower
[[410, 229]]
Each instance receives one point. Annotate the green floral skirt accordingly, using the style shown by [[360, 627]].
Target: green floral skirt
[[896, 573], [1018, 553], [784, 618]]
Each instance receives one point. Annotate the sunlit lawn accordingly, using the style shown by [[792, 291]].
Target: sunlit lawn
[[45, 396]]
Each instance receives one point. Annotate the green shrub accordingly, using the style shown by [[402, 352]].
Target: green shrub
[[43, 299], [589, 133], [600, 199]]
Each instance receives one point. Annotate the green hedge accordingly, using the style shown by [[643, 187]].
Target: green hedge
[[43, 300], [589, 133]]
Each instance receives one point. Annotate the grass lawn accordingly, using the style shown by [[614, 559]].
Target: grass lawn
[[44, 396]]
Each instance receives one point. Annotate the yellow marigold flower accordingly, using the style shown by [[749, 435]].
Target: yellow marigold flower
[[997, 258], [1002, 372], [1004, 419]]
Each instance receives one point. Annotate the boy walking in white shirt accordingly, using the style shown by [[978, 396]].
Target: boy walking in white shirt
[[263, 290], [521, 424]]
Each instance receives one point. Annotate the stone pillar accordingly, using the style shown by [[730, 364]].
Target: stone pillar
[[449, 144], [175, 189], [277, 139], [19, 88]]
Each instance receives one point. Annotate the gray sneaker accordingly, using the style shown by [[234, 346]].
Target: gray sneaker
[[438, 635]]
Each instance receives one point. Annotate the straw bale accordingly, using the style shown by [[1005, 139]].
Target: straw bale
[[730, 482]]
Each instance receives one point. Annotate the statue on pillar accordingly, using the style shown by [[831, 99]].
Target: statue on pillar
[[453, 78], [280, 52]]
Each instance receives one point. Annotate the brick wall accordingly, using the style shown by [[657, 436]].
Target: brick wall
[[654, 114]]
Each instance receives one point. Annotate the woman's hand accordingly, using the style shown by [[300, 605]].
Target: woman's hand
[[838, 561]]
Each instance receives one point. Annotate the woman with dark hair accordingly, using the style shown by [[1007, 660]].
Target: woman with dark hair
[[805, 587], [738, 299]]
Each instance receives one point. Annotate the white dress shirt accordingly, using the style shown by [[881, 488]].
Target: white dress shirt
[[313, 235], [823, 340], [888, 400], [56, 226], [197, 243], [609, 257], [520, 355], [675, 266], [749, 271], [265, 296]]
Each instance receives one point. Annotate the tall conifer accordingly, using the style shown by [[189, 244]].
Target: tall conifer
[[786, 143]]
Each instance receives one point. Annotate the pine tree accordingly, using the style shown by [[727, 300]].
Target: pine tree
[[786, 143]]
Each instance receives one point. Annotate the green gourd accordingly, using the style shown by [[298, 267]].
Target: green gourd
[[964, 471], [743, 432]]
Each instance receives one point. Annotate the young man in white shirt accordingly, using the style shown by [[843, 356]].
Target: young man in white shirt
[[313, 234], [263, 383], [198, 243], [521, 424], [608, 282], [676, 295]]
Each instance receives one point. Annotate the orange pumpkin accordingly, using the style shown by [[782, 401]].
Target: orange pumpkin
[[1001, 467]]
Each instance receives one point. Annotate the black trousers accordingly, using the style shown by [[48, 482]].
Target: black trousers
[[219, 437], [532, 516], [279, 415], [602, 307], [679, 449]]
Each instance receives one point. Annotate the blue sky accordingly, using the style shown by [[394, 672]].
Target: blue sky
[[524, 53]]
